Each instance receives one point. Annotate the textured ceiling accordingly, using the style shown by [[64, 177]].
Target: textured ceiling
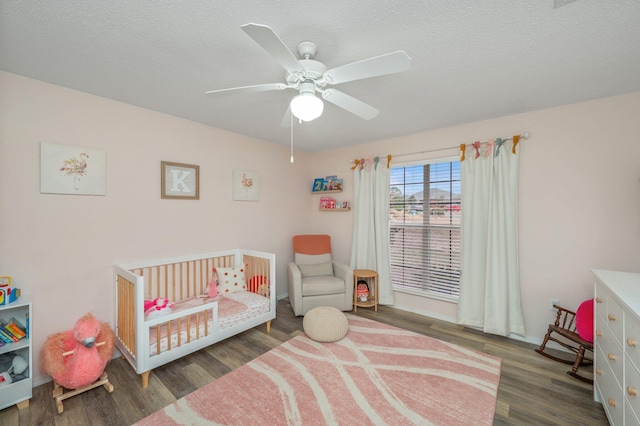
[[472, 60]]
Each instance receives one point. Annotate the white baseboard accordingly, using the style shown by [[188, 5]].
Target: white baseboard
[[527, 339]]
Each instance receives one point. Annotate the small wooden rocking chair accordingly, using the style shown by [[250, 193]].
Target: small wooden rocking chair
[[565, 328]]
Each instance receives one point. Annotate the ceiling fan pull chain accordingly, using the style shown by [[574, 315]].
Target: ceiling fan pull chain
[[291, 138]]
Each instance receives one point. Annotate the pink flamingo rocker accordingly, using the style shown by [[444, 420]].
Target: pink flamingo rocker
[[76, 358]]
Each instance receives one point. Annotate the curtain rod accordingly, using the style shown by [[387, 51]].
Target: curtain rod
[[524, 135]]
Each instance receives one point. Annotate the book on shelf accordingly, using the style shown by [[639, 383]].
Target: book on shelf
[[13, 329], [18, 324], [6, 336]]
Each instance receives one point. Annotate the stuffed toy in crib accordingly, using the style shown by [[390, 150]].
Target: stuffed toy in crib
[[157, 307], [76, 358]]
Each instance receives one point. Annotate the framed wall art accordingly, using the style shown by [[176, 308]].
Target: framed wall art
[[246, 186], [66, 169], [180, 181]]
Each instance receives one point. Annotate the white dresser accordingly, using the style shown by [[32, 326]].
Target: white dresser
[[617, 345]]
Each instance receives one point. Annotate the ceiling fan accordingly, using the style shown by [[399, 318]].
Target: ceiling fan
[[309, 76]]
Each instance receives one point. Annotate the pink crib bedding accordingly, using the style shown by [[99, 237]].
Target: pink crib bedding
[[233, 309]]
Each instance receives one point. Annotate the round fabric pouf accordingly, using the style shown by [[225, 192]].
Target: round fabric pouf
[[325, 324]]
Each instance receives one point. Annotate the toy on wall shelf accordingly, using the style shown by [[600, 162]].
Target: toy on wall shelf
[[76, 358], [8, 294], [329, 183], [327, 203]]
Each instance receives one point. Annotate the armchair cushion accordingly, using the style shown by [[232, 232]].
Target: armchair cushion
[[311, 259], [322, 285], [312, 270]]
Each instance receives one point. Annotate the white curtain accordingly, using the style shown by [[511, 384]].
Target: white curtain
[[490, 285], [370, 244]]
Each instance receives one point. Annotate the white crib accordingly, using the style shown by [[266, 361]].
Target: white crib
[[196, 321]]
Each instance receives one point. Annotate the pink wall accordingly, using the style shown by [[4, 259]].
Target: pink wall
[[579, 198], [579, 203], [61, 248]]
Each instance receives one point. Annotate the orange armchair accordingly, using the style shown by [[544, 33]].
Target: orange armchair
[[315, 279]]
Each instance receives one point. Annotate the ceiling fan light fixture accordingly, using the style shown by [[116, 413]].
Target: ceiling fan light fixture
[[306, 106]]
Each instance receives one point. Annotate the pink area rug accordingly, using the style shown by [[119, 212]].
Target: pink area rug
[[377, 374]]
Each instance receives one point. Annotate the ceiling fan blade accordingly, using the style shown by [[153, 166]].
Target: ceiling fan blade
[[379, 65], [269, 40], [251, 89], [350, 104]]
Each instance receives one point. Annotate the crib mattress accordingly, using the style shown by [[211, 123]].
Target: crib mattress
[[233, 309]]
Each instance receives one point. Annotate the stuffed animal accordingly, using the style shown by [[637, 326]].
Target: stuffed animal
[[76, 358], [157, 307], [362, 291], [18, 366]]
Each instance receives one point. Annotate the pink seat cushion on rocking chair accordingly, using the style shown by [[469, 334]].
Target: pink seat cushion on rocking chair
[[584, 320]]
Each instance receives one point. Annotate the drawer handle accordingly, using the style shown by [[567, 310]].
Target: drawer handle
[[631, 391], [612, 317], [631, 342], [598, 333], [611, 357], [612, 402], [598, 372], [598, 300]]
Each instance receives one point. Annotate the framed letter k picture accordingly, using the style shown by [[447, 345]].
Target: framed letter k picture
[[180, 181]]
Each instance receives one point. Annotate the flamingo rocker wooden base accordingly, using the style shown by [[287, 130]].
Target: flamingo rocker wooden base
[[59, 393]]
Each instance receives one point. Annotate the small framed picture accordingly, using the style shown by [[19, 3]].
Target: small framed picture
[[318, 184], [246, 185], [74, 170], [180, 181]]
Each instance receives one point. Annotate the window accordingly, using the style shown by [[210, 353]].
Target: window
[[424, 226]]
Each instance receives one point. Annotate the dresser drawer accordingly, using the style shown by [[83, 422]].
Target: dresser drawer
[[629, 416], [610, 355], [632, 338], [615, 319], [632, 388], [600, 301], [610, 391]]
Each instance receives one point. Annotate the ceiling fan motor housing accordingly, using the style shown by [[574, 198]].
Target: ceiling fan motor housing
[[313, 70]]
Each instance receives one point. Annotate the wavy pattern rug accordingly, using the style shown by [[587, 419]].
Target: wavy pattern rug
[[377, 374]]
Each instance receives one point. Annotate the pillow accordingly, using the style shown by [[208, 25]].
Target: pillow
[[316, 269], [584, 320], [212, 291], [231, 280]]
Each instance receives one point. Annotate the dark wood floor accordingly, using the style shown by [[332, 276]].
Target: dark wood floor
[[533, 390]]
